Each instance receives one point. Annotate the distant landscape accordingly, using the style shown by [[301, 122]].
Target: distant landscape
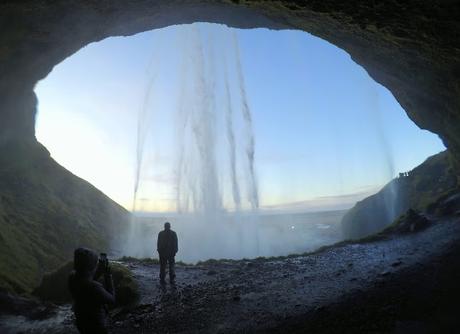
[[275, 234]]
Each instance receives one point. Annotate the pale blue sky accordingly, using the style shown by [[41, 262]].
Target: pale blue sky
[[326, 134]]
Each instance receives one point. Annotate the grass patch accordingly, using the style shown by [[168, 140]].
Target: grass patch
[[145, 260], [148, 260]]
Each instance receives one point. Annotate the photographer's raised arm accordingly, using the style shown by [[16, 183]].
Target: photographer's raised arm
[[105, 293]]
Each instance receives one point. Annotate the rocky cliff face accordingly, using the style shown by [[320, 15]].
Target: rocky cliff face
[[45, 213], [426, 183]]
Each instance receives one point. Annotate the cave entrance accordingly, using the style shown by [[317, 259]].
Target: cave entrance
[[126, 114]]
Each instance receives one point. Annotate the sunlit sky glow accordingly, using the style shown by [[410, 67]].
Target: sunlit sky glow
[[326, 134]]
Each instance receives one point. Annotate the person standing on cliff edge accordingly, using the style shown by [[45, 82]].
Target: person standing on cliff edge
[[167, 249]]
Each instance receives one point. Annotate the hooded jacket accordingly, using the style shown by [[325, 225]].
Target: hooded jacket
[[89, 296], [167, 243]]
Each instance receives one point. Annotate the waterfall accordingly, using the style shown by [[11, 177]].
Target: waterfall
[[206, 100], [250, 145], [231, 143], [214, 146]]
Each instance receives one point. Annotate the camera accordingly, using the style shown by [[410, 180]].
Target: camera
[[104, 263]]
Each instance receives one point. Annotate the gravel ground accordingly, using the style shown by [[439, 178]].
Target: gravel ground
[[400, 284]]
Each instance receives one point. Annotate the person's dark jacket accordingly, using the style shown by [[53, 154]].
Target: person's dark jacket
[[90, 298], [167, 243]]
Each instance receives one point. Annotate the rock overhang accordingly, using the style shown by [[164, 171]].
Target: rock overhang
[[410, 47]]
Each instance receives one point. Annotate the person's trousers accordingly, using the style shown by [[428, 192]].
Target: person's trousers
[[164, 260]]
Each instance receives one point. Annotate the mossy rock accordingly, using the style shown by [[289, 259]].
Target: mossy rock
[[126, 287], [54, 285], [411, 221]]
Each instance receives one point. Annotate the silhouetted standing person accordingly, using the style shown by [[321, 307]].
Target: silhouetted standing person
[[90, 297], [167, 249]]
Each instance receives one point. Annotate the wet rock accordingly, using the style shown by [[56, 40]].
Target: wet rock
[[412, 221], [396, 263], [448, 205], [320, 308], [211, 272]]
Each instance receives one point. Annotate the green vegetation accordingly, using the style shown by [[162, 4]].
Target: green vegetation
[[433, 179], [126, 287], [54, 285], [45, 213], [147, 260]]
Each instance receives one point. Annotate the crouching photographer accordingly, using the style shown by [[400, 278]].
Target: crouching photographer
[[91, 297]]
